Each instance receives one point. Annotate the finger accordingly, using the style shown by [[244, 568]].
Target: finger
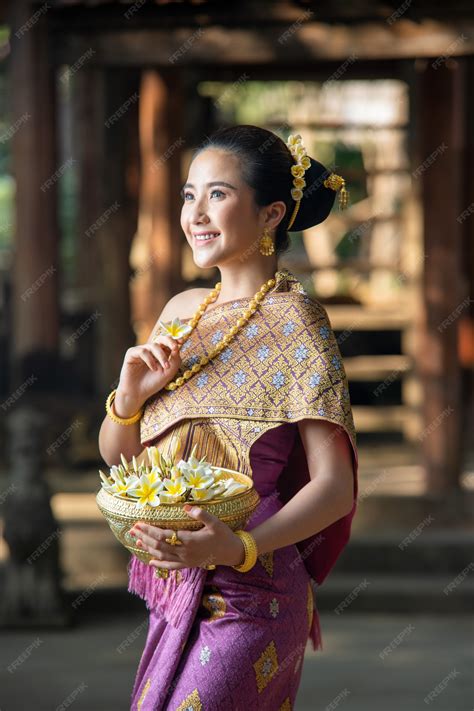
[[167, 564], [158, 533], [171, 351], [155, 550], [169, 551], [149, 359], [158, 353], [156, 537], [172, 343], [202, 515]]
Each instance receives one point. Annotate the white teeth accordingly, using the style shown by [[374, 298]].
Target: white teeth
[[209, 235]]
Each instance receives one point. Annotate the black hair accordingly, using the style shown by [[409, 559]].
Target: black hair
[[266, 162]]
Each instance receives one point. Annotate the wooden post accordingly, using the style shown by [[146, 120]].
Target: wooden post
[[439, 168], [31, 594], [116, 224], [35, 299], [158, 242], [87, 98], [467, 221]]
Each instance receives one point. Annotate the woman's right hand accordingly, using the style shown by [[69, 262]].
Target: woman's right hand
[[146, 369]]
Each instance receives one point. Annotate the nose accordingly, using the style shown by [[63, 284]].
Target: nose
[[197, 213], [199, 217]]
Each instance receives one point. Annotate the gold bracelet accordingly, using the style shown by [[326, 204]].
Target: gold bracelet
[[120, 420], [251, 552]]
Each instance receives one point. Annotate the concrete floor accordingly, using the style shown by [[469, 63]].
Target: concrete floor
[[81, 668]]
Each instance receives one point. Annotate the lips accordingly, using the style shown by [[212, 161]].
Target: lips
[[199, 240]]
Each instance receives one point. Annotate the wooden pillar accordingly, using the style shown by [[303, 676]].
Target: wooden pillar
[[116, 224], [31, 593], [35, 299], [87, 99], [439, 167], [467, 221], [158, 243]]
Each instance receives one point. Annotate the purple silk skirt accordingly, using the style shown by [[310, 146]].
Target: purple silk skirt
[[240, 643]]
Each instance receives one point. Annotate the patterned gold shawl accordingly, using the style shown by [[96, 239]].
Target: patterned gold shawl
[[283, 366]]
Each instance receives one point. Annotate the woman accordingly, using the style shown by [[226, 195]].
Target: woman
[[261, 389]]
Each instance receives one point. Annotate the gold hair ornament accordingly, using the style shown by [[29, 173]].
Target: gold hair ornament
[[303, 163], [337, 182]]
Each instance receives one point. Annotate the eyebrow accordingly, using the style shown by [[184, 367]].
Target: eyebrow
[[209, 185]]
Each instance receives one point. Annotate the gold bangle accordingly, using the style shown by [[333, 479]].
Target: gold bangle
[[251, 552], [120, 420]]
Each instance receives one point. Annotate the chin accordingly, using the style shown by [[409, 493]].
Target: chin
[[208, 258], [205, 262]]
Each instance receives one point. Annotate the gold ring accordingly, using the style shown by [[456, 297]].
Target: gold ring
[[210, 566], [174, 540], [161, 572]]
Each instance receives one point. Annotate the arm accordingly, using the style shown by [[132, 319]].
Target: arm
[[115, 438], [325, 499]]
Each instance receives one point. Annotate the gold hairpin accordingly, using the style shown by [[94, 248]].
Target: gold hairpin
[[337, 183]]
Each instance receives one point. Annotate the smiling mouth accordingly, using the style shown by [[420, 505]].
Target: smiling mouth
[[205, 238]]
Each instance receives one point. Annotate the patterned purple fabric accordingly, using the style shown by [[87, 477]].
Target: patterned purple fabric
[[240, 645]]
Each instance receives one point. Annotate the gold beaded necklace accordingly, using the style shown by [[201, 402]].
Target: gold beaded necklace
[[252, 307]]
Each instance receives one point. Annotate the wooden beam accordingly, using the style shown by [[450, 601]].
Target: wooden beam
[[104, 14], [309, 42], [439, 171]]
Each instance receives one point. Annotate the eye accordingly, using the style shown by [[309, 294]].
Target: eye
[[186, 193]]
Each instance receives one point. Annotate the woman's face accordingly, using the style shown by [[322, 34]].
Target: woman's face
[[216, 200]]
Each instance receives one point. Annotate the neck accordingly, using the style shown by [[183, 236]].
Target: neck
[[244, 280]]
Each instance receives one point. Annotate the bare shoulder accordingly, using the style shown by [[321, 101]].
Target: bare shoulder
[[182, 305]]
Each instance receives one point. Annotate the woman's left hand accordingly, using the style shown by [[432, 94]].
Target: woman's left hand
[[215, 543]]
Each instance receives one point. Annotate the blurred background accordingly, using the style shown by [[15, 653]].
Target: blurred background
[[101, 105]]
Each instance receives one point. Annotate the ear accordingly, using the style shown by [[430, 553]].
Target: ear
[[273, 215]]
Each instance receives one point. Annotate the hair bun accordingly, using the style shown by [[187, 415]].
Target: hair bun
[[317, 200]]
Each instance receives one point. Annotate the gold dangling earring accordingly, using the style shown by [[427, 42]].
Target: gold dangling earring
[[266, 246]]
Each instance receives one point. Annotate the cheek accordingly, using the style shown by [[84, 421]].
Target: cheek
[[223, 213], [185, 222], [233, 218]]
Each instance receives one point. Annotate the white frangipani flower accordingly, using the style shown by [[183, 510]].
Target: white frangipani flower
[[146, 491], [159, 480], [176, 329], [120, 488], [106, 483], [202, 494], [233, 487]]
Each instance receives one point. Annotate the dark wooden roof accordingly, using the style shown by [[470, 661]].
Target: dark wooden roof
[[267, 11], [241, 32]]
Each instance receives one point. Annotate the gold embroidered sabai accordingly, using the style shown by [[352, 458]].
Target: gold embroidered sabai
[[284, 366]]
